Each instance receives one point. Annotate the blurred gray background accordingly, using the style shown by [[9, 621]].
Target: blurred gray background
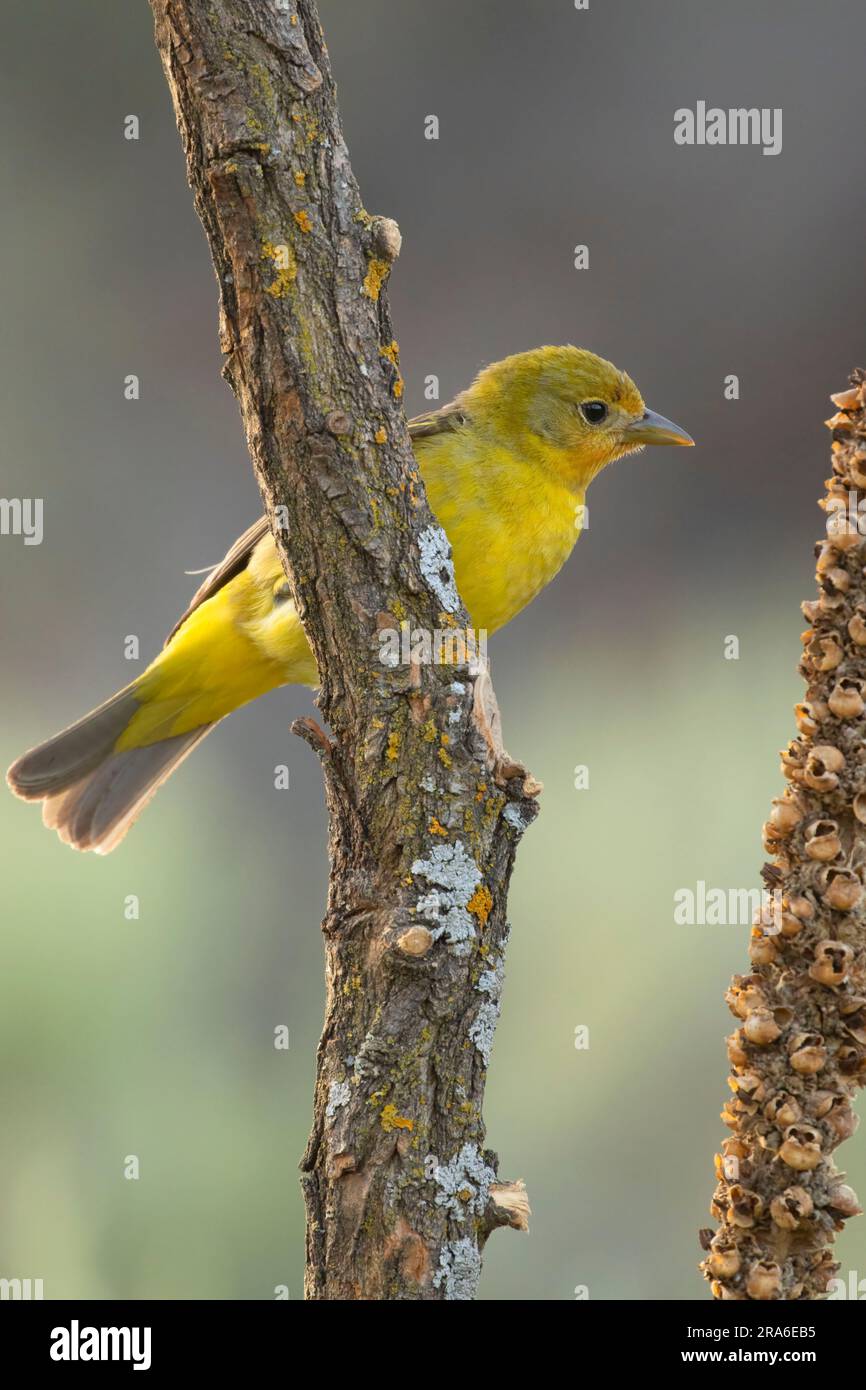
[[154, 1037]]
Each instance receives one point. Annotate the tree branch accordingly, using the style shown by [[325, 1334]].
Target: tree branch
[[798, 1054], [399, 1190]]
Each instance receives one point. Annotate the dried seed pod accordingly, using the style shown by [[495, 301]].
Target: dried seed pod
[[723, 1259], [764, 1280], [807, 1053], [850, 1060], [832, 962], [792, 760], [849, 400], [830, 600], [846, 698], [844, 1200], [771, 838], [787, 812], [841, 1118], [761, 1028], [859, 807], [762, 949], [825, 558], [801, 907], [806, 718], [855, 1025], [831, 757], [839, 421], [735, 1148], [822, 840], [857, 626], [837, 497], [842, 532], [726, 1294], [741, 1000], [783, 1110], [835, 581], [817, 776], [750, 992], [744, 1207], [801, 1148], [737, 1054], [750, 1086], [791, 1208], [825, 654], [842, 889], [789, 925], [819, 1103]]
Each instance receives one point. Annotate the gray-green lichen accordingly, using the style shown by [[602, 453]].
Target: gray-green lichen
[[464, 1183], [517, 817], [459, 1269], [455, 877], [437, 566], [483, 1028], [339, 1094]]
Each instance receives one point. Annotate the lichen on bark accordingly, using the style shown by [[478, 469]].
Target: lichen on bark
[[798, 1053], [425, 807]]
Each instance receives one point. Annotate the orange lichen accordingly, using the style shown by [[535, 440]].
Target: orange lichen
[[377, 274], [381, 435], [391, 353], [286, 268], [480, 904], [391, 1120], [303, 220], [436, 829]]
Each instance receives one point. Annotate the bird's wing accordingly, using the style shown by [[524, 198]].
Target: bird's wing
[[235, 560], [449, 417]]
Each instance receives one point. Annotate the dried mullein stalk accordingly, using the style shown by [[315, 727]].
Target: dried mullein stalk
[[798, 1053]]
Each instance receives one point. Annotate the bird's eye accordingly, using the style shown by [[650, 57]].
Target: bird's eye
[[593, 412]]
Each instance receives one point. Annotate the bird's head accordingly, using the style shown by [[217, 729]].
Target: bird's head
[[569, 410]]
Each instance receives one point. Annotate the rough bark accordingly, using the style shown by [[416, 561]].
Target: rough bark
[[798, 1054], [425, 808]]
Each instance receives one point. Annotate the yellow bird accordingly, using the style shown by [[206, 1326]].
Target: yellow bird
[[506, 467]]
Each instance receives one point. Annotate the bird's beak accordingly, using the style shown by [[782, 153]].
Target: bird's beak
[[655, 429]]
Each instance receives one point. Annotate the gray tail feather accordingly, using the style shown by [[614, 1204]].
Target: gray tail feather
[[93, 794], [71, 754]]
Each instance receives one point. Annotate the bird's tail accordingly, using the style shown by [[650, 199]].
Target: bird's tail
[[92, 793]]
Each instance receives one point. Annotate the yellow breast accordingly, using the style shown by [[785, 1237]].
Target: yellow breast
[[511, 527]]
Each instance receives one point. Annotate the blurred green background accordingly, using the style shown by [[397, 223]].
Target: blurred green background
[[155, 1037]]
